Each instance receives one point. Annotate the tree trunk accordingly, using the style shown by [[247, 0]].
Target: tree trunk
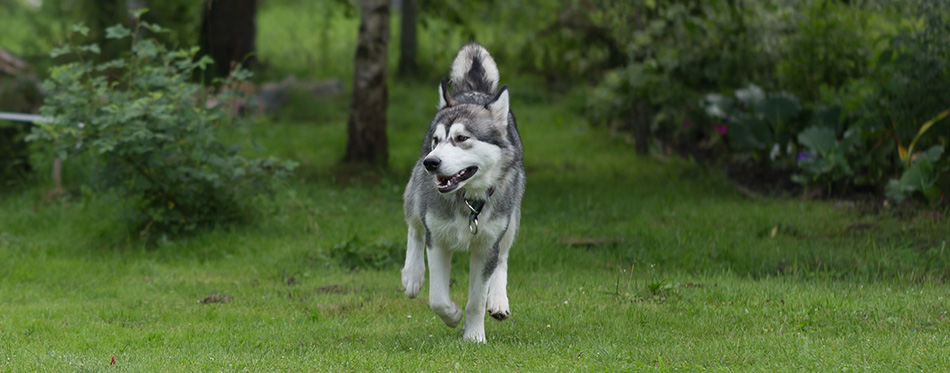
[[228, 30], [366, 142], [641, 126], [640, 113], [407, 39]]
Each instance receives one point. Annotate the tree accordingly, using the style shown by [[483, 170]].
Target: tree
[[640, 107], [366, 140], [407, 38], [228, 30]]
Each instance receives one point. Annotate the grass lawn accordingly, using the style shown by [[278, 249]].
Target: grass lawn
[[703, 278], [688, 275]]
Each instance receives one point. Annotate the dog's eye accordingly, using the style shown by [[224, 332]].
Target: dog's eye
[[435, 140], [460, 138]]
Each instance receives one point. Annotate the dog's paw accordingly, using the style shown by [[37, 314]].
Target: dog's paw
[[501, 315], [498, 307], [412, 280], [473, 334]]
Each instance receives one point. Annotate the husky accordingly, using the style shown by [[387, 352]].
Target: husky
[[465, 194]]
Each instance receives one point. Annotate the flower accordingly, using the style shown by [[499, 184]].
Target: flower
[[803, 156], [687, 123], [722, 128]]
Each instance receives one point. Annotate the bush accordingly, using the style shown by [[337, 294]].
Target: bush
[[850, 84], [675, 53], [153, 137]]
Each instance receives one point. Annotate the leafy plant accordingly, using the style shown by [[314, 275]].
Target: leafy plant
[[771, 128], [920, 177], [906, 155], [674, 51], [756, 121], [921, 170], [149, 130], [826, 159]]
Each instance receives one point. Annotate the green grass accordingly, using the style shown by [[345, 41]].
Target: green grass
[[699, 281], [703, 278]]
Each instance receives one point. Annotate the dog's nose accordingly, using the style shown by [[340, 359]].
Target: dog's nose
[[432, 163]]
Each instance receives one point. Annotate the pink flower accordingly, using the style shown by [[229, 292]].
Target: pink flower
[[722, 129]]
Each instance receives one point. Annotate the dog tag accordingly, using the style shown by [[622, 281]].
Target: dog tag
[[473, 224]]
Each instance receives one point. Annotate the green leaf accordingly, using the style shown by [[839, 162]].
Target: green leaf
[[933, 194], [146, 49], [117, 32], [118, 64], [153, 27], [91, 48], [56, 52], [818, 139], [924, 127], [933, 154], [748, 133], [204, 61], [81, 29], [893, 191], [241, 74], [138, 12], [779, 109], [919, 177]]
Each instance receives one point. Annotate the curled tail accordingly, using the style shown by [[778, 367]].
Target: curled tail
[[474, 70]]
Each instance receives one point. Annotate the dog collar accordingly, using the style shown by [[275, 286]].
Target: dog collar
[[476, 206]]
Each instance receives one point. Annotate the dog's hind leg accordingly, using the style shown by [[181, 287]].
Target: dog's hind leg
[[498, 285], [440, 266], [414, 272]]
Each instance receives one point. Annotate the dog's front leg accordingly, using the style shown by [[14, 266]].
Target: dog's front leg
[[474, 328], [414, 272], [440, 266], [498, 286]]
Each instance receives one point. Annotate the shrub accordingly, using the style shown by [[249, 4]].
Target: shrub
[[813, 139], [675, 52], [850, 84], [152, 135], [922, 171]]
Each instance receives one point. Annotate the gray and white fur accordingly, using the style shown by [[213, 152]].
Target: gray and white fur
[[471, 154]]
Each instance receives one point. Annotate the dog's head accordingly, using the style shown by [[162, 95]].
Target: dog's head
[[467, 143]]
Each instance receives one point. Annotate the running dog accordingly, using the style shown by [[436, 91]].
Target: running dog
[[465, 194]]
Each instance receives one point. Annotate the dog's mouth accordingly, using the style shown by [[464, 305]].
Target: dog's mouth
[[447, 184]]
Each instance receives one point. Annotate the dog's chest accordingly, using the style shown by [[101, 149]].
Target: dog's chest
[[453, 232]]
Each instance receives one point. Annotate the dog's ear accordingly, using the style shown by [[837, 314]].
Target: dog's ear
[[445, 98], [499, 106]]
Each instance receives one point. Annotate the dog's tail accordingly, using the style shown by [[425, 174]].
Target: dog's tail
[[474, 70]]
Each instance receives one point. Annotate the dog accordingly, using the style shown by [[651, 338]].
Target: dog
[[465, 194]]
